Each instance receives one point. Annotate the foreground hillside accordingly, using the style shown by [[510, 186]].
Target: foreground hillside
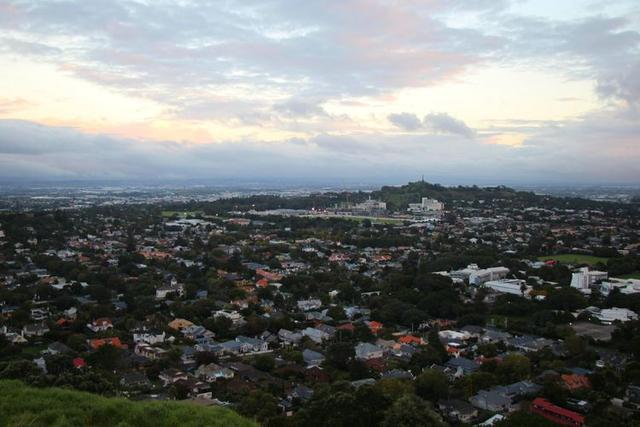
[[21, 405]]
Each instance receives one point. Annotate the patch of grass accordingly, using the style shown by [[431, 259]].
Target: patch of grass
[[21, 405], [635, 275], [358, 218], [182, 214], [575, 259]]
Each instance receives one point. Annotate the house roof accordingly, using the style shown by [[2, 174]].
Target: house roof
[[79, 362], [575, 382], [96, 343]]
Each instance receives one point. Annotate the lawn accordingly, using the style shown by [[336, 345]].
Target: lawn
[[635, 275], [358, 218], [183, 214], [575, 259], [21, 405]]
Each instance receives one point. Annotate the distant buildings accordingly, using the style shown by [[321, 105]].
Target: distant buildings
[[371, 206], [426, 206]]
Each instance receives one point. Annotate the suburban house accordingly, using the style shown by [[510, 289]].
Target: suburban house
[[312, 358], [213, 372], [100, 325], [367, 351], [288, 337]]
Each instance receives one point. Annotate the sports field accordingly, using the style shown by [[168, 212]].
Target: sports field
[[575, 259]]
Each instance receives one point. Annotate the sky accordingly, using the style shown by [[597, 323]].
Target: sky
[[468, 91]]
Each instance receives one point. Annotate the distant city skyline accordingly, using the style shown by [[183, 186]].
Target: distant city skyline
[[478, 91]]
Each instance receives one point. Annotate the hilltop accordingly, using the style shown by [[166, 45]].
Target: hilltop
[[398, 197], [21, 405]]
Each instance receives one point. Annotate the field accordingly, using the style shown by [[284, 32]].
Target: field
[[358, 218], [575, 259], [21, 405], [635, 275], [182, 214]]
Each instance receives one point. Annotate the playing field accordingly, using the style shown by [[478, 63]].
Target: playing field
[[183, 214], [358, 218], [575, 259]]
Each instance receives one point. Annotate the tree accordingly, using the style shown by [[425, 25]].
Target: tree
[[77, 342], [432, 385], [19, 369], [515, 367], [411, 411], [339, 354], [394, 388], [481, 380], [436, 347], [259, 405], [336, 313], [265, 362], [106, 357], [179, 391]]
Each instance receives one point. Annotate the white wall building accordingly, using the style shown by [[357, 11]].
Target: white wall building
[[481, 276], [371, 206], [610, 315], [509, 286], [625, 286], [584, 279], [426, 206]]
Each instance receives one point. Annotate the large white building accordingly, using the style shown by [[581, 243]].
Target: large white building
[[610, 315], [426, 206], [371, 205], [509, 286], [476, 275], [480, 276], [584, 279], [625, 286]]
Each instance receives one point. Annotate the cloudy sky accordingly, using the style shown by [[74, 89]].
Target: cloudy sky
[[501, 91]]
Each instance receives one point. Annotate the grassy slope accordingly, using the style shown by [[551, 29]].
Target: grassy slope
[[21, 405]]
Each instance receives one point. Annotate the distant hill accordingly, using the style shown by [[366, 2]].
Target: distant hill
[[398, 198], [21, 405]]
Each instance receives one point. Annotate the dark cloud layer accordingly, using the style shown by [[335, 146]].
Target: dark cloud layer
[[35, 151]]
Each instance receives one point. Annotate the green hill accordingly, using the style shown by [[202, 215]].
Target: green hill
[[21, 405], [398, 197]]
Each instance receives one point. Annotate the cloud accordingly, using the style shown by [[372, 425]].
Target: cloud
[[440, 123], [601, 48], [325, 73], [9, 105], [444, 123], [300, 108], [30, 150], [406, 121], [350, 48]]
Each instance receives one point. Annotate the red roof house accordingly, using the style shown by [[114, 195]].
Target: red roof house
[[99, 342], [556, 414]]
